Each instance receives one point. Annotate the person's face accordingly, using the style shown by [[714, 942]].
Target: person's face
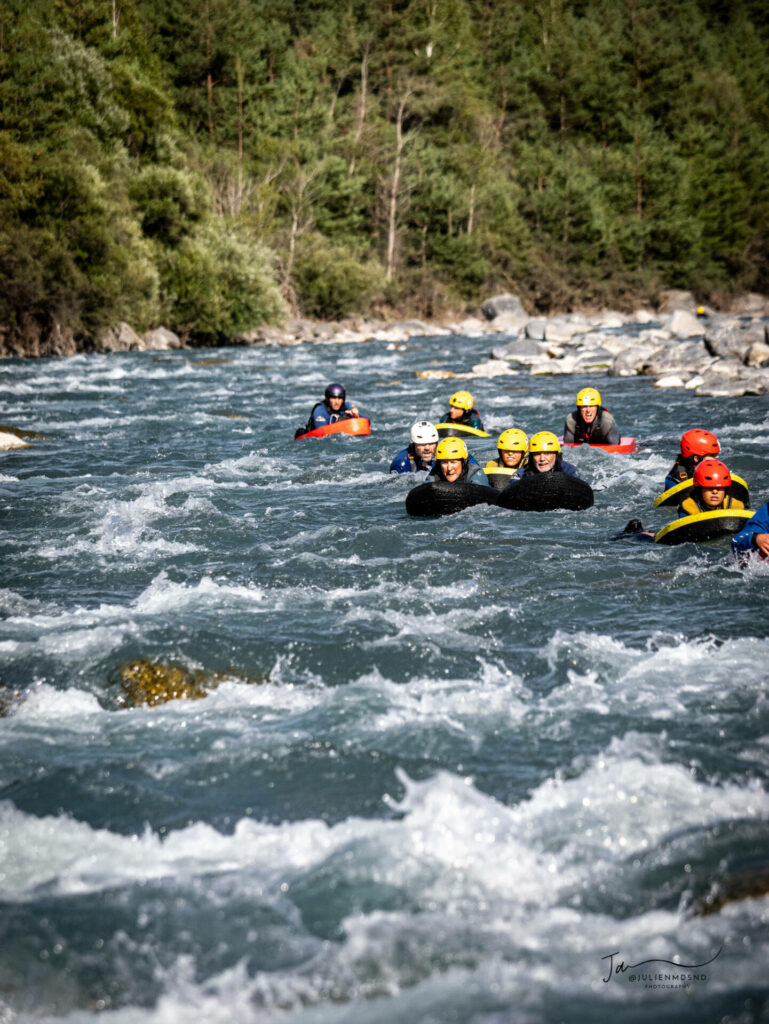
[[588, 412], [510, 459], [455, 413], [451, 469], [426, 452], [544, 461], [336, 403], [713, 496]]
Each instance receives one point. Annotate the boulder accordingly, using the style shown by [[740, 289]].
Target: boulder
[[670, 381], [494, 368], [757, 355], [730, 380], [121, 338], [643, 316], [687, 357], [471, 327], [520, 350], [607, 320], [683, 324], [505, 303], [161, 340], [561, 329], [672, 299], [631, 362], [750, 304], [535, 329], [510, 323], [729, 338]]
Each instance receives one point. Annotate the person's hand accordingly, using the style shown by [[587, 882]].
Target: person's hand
[[761, 540], [353, 411]]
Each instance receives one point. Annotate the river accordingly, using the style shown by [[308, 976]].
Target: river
[[455, 771]]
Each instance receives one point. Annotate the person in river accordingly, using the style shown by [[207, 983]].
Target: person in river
[[453, 465], [420, 453], [462, 411], [332, 408], [712, 479], [754, 536], [513, 444], [545, 456], [696, 445], [590, 422]]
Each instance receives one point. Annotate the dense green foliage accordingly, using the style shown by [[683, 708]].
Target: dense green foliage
[[188, 162]]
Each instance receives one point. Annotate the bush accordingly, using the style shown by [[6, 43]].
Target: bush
[[217, 284], [331, 282]]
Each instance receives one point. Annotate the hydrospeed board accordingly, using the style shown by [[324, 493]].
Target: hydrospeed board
[[351, 425], [626, 445]]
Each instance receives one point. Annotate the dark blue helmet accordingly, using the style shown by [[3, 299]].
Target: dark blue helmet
[[335, 391]]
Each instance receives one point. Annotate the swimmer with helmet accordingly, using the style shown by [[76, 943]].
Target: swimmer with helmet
[[453, 465], [590, 422], [461, 411], [712, 480], [545, 456], [696, 445], [419, 455], [513, 444], [332, 408]]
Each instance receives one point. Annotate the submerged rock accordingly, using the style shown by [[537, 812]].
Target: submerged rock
[[751, 883], [148, 683], [12, 437]]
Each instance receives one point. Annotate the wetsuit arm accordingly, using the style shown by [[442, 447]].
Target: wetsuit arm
[[320, 416], [569, 428], [754, 536], [612, 435]]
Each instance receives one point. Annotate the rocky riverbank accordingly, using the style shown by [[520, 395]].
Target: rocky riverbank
[[680, 344]]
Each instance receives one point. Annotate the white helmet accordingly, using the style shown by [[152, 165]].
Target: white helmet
[[424, 432]]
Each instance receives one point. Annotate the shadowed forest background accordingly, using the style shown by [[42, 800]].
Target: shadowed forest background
[[212, 164]]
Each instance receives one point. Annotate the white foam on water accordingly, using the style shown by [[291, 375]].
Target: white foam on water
[[670, 678]]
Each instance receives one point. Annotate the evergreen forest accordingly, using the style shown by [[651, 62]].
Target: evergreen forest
[[211, 165]]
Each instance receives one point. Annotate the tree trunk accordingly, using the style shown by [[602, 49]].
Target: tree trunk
[[362, 104], [395, 186]]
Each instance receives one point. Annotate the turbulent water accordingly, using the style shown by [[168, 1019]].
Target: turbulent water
[[454, 765]]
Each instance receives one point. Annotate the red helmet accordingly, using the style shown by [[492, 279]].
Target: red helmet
[[699, 442], [712, 473]]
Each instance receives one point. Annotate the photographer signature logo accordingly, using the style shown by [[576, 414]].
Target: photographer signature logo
[[657, 978]]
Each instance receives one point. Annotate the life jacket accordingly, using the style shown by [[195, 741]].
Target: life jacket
[[497, 466], [599, 428], [682, 468], [692, 506]]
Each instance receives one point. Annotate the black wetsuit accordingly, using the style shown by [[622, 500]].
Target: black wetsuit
[[603, 429]]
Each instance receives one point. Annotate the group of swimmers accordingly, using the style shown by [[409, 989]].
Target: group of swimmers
[[449, 461]]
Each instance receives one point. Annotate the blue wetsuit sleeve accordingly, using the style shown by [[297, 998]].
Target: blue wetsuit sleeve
[[320, 416], [670, 481], [570, 469], [759, 523], [475, 421], [402, 463]]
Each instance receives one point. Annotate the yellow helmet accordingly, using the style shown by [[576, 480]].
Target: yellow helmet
[[451, 448], [588, 396], [513, 440], [462, 400], [544, 441]]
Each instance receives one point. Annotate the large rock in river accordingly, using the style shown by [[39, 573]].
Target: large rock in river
[[506, 303]]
